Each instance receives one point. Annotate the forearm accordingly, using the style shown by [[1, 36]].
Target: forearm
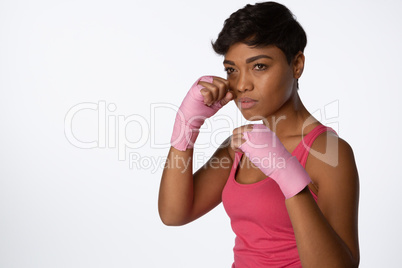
[[318, 244], [176, 194], [176, 188]]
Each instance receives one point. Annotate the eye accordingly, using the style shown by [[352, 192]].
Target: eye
[[229, 70], [260, 67]]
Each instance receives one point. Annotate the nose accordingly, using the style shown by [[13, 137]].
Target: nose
[[243, 83]]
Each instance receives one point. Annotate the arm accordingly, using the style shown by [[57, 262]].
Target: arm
[[184, 197], [327, 232]]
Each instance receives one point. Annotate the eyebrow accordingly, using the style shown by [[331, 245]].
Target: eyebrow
[[229, 62], [257, 58], [249, 59]]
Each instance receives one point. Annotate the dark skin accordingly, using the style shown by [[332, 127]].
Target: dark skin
[[326, 232]]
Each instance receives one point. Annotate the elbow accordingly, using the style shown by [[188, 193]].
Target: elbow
[[353, 263], [173, 215], [355, 258], [172, 222], [169, 219], [356, 262]]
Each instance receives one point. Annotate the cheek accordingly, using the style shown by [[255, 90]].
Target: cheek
[[287, 77], [233, 80], [269, 84], [275, 89], [278, 81]]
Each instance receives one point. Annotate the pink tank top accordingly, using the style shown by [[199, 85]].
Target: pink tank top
[[264, 233]]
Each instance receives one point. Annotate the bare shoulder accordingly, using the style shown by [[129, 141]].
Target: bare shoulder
[[331, 157], [332, 168]]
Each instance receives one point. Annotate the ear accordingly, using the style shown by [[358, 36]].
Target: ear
[[298, 65]]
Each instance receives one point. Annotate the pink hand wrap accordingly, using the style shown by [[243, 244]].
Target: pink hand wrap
[[265, 150], [191, 115]]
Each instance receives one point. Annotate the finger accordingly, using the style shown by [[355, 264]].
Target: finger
[[212, 90], [222, 86], [219, 87], [228, 97], [245, 128], [248, 128], [237, 141], [223, 80], [237, 131], [207, 95], [226, 87]]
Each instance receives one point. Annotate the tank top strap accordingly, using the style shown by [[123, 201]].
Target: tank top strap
[[303, 148]]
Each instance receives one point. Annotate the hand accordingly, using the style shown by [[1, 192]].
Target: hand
[[204, 99], [215, 92], [265, 150]]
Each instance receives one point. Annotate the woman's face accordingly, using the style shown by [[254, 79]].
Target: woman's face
[[261, 79]]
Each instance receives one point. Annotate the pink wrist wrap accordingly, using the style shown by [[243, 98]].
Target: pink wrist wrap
[[191, 115], [265, 150]]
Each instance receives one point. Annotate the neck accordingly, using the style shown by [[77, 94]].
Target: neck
[[290, 119]]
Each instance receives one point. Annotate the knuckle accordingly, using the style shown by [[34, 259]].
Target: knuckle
[[208, 94], [221, 86], [249, 127]]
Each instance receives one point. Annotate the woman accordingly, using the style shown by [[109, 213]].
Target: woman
[[289, 185]]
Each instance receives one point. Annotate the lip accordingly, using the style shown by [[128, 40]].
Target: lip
[[246, 103]]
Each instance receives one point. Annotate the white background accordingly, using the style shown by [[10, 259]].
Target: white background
[[65, 206]]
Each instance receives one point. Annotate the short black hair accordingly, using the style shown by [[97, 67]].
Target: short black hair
[[263, 24]]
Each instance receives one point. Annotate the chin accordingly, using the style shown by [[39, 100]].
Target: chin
[[249, 116]]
